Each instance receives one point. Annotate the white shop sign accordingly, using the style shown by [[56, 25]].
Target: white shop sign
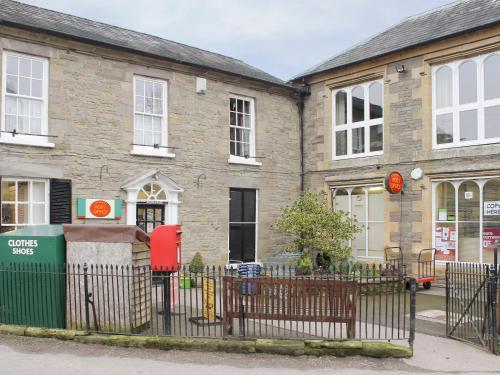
[[491, 208]]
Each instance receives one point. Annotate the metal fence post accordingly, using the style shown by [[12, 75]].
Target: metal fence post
[[413, 311], [447, 276], [493, 301], [86, 292]]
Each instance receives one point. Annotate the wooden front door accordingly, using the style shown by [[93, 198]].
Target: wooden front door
[[149, 216]]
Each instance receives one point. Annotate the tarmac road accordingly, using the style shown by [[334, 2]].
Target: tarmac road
[[30, 356]]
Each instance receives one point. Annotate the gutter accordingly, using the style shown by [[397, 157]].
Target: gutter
[[303, 91]]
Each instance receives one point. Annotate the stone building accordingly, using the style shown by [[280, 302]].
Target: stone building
[[105, 125], [421, 98]]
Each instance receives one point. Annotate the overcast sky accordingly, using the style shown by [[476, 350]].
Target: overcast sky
[[282, 37]]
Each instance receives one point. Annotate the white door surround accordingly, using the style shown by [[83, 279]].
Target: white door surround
[[171, 200]]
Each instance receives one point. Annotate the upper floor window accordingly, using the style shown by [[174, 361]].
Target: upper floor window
[[241, 130], [24, 100], [466, 102], [150, 117], [358, 120]]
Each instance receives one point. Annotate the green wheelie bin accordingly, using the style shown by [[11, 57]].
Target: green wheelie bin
[[32, 276]]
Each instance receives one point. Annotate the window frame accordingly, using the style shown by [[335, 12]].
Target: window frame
[[256, 223], [146, 150], [456, 182], [456, 107], [26, 139], [366, 222], [30, 202], [235, 159], [349, 126]]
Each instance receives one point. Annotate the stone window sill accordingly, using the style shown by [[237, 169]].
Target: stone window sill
[[27, 140], [243, 161], [150, 151]]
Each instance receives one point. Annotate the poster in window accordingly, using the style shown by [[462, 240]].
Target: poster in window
[[445, 240], [490, 237]]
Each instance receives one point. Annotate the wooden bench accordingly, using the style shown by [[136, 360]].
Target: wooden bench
[[290, 299]]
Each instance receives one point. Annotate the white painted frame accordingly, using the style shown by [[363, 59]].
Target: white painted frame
[[456, 108], [246, 222], [349, 125], [234, 159], [170, 187], [30, 201], [23, 139], [349, 189], [456, 184], [150, 150]]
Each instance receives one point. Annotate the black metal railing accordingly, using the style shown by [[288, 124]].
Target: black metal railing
[[366, 302]]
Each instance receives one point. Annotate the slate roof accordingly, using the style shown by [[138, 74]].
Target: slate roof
[[446, 21], [13, 13]]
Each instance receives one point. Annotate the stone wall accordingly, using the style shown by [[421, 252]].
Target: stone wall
[[91, 113], [407, 137]]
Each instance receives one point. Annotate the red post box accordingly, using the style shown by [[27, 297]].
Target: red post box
[[166, 248]]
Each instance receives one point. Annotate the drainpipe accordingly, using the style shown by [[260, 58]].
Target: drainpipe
[[303, 91]]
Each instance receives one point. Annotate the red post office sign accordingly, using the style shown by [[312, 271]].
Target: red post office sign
[[394, 182], [98, 208]]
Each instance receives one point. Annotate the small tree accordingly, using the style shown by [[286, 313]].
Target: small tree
[[317, 228]]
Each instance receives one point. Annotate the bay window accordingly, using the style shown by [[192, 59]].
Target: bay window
[[23, 202], [365, 204], [358, 124], [24, 100], [466, 219], [466, 102]]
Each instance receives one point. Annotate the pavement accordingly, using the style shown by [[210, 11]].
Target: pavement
[[29, 356]]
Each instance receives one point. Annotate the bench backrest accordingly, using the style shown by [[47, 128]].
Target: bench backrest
[[302, 299]]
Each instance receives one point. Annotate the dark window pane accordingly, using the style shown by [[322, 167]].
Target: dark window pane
[[341, 143], [340, 108], [358, 140], [248, 242], [232, 104], [249, 206], [358, 104], [376, 138], [376, 100], [235, 242], [236, 205]]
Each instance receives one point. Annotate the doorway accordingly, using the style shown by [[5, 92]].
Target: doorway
[[149, 216]]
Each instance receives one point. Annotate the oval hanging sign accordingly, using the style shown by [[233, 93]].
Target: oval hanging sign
[[394, 182], [100, 208]]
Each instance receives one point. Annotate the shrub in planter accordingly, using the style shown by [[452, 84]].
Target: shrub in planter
[[196, 268]]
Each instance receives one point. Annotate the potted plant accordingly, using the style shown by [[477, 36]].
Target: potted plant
[[196, 267]]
